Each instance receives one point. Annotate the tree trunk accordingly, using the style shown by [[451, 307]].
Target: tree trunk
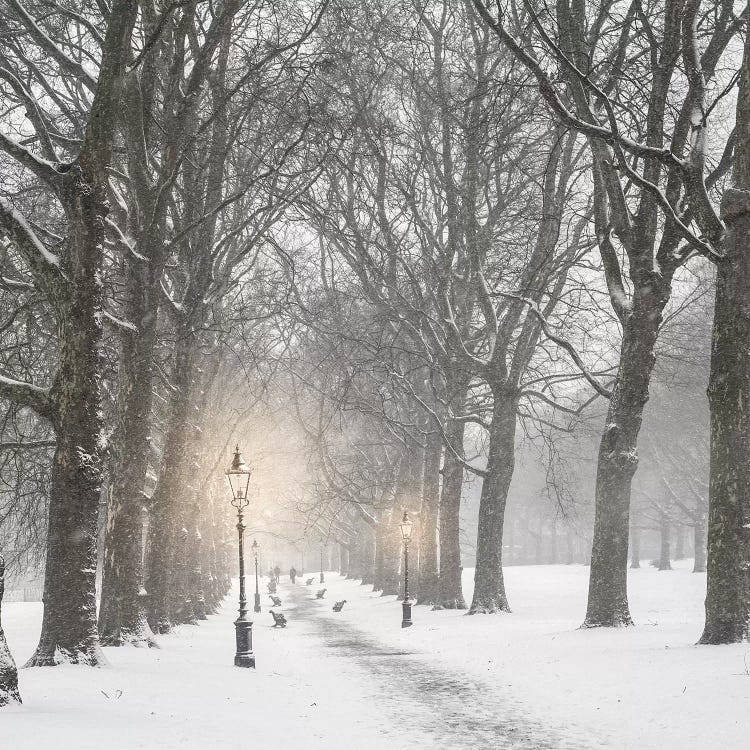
[[728, 593], [679, 552], [618, 458], [166, 600], [428, 520], [122, 613], [69, 632], [699, 545], [355, 559], [665, 530], [635, 544], [391, 559], [8, 672], [450, 593], [378, 563], [344, 558], [368, 559], [489, 586], [553, 549]]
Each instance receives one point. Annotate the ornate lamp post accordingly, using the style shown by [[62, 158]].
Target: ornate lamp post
[[406, 526], [238, 475], [322, 548], [256, 550]]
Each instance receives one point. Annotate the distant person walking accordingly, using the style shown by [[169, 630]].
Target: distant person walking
[[277, 573], [292, 574]]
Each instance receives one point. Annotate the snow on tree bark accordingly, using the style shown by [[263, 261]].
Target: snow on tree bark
[[122, 615], [8, 672]]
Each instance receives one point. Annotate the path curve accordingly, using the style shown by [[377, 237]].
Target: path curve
[[458, 710]]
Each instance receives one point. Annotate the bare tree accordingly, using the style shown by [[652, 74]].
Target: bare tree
[[66, 271]]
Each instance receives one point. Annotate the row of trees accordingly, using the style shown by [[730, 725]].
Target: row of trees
[[146, 149], [410, 229]]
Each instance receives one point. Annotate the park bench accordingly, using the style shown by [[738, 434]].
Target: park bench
[[271, 587], [339, 605], [309, 581], [321, 593], [276, 601], [279, 621]]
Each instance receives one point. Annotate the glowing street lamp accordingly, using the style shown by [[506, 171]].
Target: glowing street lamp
[[406, 527], [238, 475]]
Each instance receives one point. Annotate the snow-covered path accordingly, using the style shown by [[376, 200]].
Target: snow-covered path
[[450, 708]]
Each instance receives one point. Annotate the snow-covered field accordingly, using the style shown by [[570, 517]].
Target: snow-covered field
[[637, 688]]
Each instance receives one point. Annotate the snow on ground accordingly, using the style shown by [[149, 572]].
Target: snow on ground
[[354, 680], [641, 688], [188, 694]]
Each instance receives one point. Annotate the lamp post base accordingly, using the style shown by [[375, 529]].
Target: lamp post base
[[244, 635], [406, 615], [256, 608]]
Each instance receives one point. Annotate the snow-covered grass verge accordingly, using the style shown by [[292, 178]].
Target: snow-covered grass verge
[[641, 688], [188, 694]]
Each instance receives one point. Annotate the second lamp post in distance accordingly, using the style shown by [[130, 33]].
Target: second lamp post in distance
[[406, 527], [256, 550]]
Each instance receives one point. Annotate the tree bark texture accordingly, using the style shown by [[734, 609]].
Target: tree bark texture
[[450, 593], [8, 672], [69, 632], [489, 585], [728, 591], [122, 614], [618, 457], [427, 592], [166, 599]]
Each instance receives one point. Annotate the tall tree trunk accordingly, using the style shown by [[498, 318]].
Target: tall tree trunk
[[728, 593], [166, 600], [368, 559], [428, 521], [378, 563], [553, 554], [355, 559], [344, 558], [8, 672], [635, 543], [391, 560], [450, 593], [122, 613], [679, 551], [69, 632], [489, 586], [570, 547], [665, 530], [618, 458], [699, 545]]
